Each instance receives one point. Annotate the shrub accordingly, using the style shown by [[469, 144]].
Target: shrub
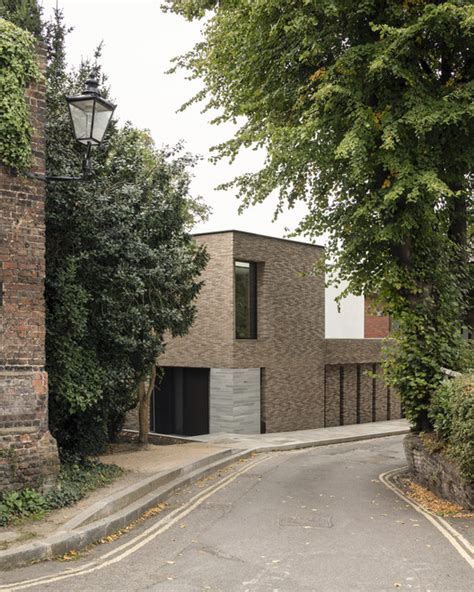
[[21, 504], [76, 478], [452, 414]]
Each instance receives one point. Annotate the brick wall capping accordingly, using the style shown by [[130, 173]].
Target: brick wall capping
[[353, 351], [259, 236]]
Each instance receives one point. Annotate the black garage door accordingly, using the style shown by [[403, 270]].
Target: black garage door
[[181, 402]]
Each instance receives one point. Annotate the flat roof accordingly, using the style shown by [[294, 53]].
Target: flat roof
[[286, 240]]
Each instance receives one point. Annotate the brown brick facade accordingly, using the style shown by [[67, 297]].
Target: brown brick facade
[[28, 453], [290, 312], [307, 381]]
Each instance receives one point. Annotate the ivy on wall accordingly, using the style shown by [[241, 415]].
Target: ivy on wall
[[18, 68], [23, 13]]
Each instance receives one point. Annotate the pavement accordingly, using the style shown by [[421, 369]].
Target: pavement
[[306, 438], [313, 520], [151, 476]]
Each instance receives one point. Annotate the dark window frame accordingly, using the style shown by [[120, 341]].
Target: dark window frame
[[252, 300]]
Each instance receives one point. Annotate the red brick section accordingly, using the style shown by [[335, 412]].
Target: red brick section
[[28, 453], [375, 325]]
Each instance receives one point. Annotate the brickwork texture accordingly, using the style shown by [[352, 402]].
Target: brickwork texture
[[307, 381], [28, 453], [376, 325], [435, 471]]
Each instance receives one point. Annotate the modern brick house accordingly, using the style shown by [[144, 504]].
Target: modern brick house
[[256, 358]]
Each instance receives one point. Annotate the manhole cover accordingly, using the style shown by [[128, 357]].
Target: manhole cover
[[310, 522]]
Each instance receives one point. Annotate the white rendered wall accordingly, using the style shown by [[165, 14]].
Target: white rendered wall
[[349, 322]]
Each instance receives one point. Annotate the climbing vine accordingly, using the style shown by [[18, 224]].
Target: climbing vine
[[18, 68]]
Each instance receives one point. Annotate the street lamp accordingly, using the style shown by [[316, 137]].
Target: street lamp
[[90, 118]]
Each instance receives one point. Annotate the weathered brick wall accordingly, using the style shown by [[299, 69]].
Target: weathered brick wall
[[438, 473], [28, 453]]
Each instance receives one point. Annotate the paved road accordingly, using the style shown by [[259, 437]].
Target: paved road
[[311, 520]]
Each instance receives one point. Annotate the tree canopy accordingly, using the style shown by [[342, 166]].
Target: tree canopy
[[121, 267], [365, 109]]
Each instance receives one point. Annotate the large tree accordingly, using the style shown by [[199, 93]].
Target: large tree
[[121, 267], [365, 110]]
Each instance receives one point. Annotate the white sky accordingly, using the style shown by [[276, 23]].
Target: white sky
[[139, 42]]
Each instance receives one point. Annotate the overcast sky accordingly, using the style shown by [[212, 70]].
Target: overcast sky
[[139, 43]]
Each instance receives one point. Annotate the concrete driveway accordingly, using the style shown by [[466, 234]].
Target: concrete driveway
[[309, 520]]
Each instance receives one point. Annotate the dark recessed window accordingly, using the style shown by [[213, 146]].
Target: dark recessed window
[[245, 300]]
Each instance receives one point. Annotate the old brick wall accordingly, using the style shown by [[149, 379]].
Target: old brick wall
[[28, 453], [435, 471]]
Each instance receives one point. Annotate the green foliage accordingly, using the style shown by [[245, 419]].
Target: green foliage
[[26, 503], [18, 68], [25, 14], [77, 477], [452, 414], [366, 113], [121, 265]]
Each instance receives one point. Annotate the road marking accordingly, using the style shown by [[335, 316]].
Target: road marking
[[137, 542], [462, 546]]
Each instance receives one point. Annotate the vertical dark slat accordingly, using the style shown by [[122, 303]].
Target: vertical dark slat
[[341, 395], [389, 402], [253, 300], [358, 395], [325, 395], [151, 409], [374, 392]]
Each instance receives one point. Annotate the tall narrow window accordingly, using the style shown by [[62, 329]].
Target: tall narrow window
[[245, 300]]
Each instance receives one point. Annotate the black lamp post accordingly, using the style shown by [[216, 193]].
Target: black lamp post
[[90, 118]]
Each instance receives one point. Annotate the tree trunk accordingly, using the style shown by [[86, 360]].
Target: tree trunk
[[423, 423], [145, 389]]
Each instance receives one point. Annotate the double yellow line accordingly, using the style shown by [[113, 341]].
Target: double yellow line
[[462, 546], [123, 551]]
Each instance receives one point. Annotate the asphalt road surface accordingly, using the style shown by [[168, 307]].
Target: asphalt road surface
[[312, 520]]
